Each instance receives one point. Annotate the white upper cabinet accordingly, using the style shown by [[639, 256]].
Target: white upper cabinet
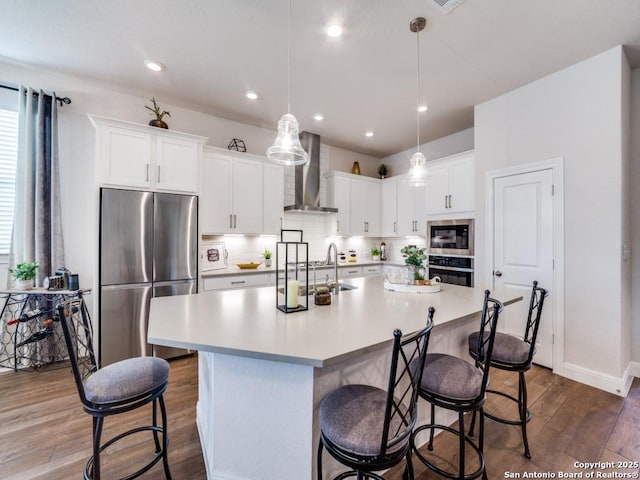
[[339, 196], [388, 208], [131, 155], [232, 194], [273, 205], [411, 209], [365, 206], [358, 202], [451, 185]]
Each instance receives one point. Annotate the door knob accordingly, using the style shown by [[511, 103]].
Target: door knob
[[497, 273]]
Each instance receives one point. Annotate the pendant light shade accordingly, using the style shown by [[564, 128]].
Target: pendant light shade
[[286, 149], [417, 174]]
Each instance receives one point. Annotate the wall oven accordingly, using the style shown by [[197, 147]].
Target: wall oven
[[454, 270], [450, 237]]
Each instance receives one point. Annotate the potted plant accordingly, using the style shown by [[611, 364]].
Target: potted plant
[[375, 254], [157, 122], [383, 170], [414, 258], [267, 257], [25, 275]]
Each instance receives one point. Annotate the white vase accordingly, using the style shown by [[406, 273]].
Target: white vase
[[375, 258], [267, 262], [24, 284]]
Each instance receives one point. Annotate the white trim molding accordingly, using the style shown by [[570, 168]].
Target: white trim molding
[[616, 385]]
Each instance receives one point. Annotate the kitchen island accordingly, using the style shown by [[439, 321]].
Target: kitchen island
[[262, 373]]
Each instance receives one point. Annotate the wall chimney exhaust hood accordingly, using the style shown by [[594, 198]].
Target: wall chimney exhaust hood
[[307, 179]]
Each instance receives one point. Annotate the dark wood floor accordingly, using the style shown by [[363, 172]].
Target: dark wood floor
[[44, 433]]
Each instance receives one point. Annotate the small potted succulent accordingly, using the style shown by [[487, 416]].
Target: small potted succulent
[[375, 254], [267, 257], [414, 258], [25, 275], [158, 121], [383, 170]]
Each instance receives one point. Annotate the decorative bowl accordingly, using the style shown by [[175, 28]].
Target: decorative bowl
[[248, 265]]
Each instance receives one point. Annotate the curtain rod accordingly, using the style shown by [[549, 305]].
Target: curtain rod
[[62, 100]]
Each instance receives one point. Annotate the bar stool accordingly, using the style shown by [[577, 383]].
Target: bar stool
[[117, 388], [454, 384], [515, 355], [367, 428]]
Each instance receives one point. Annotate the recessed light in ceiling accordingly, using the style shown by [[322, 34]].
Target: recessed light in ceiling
[[334, 31], [369, 134], [154, 66], [423, 108], [251, 94], [318, 117]]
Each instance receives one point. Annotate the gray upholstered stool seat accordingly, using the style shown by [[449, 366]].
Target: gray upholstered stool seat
[[506, 348], [451, 377], [352, 417], [126, 379]]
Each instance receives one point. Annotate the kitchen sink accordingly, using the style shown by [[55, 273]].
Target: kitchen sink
[[346, 286]]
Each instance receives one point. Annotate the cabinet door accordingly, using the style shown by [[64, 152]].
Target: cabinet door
[[372, 208], [438, 189], [125, 157], [273, 187], [177, 165], [247, 196], [461, 186], [388, 214], [216, 195], [406, 209], [339, 196], [358, 223]]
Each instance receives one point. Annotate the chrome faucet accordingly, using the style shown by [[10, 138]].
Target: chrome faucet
[[335, 286]]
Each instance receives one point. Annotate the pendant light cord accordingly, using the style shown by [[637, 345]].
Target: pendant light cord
[[418, 93], [289, 61]]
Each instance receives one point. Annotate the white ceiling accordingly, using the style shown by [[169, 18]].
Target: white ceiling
[[214, 50]]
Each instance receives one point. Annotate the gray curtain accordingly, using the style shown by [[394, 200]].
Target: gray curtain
[[37, 222]]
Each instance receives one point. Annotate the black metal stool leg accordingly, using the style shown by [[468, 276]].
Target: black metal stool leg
[[473, 424], [462, 442], [319, 460], [522, 401], [165, 438], [97, 434], [408, 471], [433, 414], [154, 422], [483, 466]]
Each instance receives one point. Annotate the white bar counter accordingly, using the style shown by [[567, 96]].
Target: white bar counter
[[262, 373]]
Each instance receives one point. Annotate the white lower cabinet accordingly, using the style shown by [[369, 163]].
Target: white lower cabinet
[[232, 282], [347, 272], [372, 270]]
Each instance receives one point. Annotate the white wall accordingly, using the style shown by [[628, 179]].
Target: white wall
[[576, 114]]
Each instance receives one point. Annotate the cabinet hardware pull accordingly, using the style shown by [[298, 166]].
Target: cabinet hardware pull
[[394, 227], [239, 282], [147, 172], [449, 201], [337, 225], [235, 224], [445, 201], [352, 271], [158, 179]]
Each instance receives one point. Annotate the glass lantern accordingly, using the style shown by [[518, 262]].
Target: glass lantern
[[292, 272]]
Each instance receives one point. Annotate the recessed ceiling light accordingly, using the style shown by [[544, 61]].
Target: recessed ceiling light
[[369, 134], [251, 95], [334, 31], [423, 108], [154, 65], [318, 117]]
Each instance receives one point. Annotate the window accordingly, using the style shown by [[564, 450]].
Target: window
[[8, 157]]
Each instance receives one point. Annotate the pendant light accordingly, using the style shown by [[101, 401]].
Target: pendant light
[[417, 174], [286, 149]]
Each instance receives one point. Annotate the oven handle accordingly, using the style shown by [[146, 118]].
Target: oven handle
[[453, 269]]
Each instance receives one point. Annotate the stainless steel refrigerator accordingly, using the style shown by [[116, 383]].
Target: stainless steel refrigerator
[[148, 248]]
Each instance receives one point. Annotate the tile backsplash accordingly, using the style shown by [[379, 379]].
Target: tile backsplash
[[316, 229]]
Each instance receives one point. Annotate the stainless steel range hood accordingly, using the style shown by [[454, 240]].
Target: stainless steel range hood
[[307, 179]]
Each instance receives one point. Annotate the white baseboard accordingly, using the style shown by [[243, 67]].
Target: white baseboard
[[609, 383]]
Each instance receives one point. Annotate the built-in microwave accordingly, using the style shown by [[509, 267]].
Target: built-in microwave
[[450, 237]]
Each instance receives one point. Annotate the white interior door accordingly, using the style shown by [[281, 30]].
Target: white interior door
[[523, 249]]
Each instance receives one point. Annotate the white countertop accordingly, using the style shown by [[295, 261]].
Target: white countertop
[[233, 270], [247, 323]]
